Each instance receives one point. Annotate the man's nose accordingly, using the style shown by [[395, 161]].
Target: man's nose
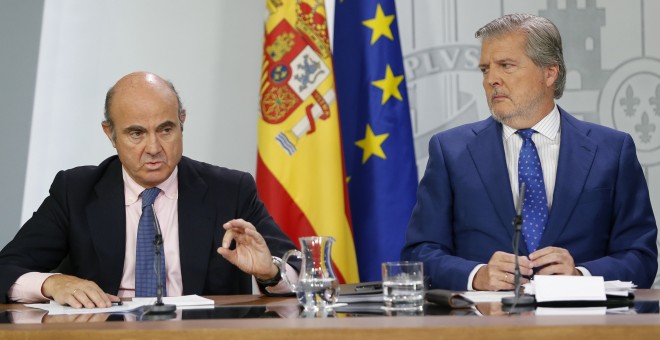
[[493, 78], [153, 144]]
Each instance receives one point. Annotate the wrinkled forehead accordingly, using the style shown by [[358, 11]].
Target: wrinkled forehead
[[513, 42]]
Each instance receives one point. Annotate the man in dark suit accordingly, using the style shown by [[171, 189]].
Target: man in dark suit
[[586, 210], [216, 231]]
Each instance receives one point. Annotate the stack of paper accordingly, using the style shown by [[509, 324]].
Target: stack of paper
[[619, 288], [361, 292], [487, 296], [360, 298], [575, 288]]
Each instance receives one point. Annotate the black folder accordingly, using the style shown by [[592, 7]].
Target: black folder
[[448, 298]]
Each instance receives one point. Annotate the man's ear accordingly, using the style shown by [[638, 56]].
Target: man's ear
[[108, 132], [551, 74], [182, 117]]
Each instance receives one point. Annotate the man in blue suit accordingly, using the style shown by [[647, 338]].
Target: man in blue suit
[[586, 210]]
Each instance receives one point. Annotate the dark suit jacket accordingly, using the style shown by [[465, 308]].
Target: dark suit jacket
[[601, 212], [84, 217]]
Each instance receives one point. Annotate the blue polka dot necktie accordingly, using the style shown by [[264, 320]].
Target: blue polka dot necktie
[[146, 282], [535, 202]]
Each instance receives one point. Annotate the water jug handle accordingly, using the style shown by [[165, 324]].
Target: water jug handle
[[285, 258]]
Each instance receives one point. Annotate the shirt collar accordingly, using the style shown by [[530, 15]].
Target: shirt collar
[[548, 126], [132, 190]]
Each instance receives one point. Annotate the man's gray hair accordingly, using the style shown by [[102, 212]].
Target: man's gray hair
[[107, 120], [543, 41]]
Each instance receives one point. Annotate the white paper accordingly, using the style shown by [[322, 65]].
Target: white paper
[[619, 288], [486, 296], [54, 308], [182, 302], [571, 311], [569, 288], [621, 311]]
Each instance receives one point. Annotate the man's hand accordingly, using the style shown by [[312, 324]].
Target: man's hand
[[498, 273], [76, 292], [251, 254], [553, 260]]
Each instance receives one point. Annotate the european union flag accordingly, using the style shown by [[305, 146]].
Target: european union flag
[[376, 132]]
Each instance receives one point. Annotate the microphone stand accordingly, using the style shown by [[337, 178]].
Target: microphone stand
[[159, 310], [518, 303]]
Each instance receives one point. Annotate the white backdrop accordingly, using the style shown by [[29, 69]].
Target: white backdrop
[[211, 50]]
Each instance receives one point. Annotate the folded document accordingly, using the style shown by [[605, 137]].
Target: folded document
[[550, 288]]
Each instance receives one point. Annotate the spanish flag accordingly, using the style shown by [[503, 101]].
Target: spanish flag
[[300, 171]]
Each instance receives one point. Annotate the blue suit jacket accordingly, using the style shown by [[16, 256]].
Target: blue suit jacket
[[601, 212]]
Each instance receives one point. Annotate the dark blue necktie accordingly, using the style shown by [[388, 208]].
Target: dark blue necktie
[[146, 282], [535, 202]]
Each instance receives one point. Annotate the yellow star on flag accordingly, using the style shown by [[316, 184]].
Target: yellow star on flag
[[371, 144], [389, 85], [380, 25]]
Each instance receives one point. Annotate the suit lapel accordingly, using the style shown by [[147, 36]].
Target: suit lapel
[[106, 216], [491, 166], [196, 229], [576, 156]]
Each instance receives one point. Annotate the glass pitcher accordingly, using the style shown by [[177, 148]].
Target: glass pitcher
[[317, 286]]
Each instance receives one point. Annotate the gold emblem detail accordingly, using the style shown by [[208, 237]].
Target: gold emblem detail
[[281, 46], [277, 103], [312, 24]]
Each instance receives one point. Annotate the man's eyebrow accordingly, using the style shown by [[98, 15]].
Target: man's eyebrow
[[133, 128], [167, 124], [504, 60]]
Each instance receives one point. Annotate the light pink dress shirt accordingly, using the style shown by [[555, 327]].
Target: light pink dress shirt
[[168, 218]]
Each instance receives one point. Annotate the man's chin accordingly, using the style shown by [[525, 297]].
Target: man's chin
[[501, 117], [156, 177]]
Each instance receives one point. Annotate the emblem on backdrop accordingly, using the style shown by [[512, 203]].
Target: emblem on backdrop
[[613, 72]]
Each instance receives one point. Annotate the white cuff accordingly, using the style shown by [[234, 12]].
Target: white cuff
[[584, 271], [282, 287], [472, 274]]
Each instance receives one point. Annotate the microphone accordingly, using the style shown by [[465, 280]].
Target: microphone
[[159, 307], [524, 301]]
